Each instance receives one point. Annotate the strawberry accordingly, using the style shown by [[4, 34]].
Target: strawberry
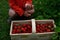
[[18, 30], [50, 24], [30, 22], [46, 25], [14, 31], [29, 31], [15, 27], [48, 30], [24, 25], [38, 26], [28, 26], [41, 31], [23, 29], [19, 27]]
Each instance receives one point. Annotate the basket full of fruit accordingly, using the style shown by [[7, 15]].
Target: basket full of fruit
[[22, 29]]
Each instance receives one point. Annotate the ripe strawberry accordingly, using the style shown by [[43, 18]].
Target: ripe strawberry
[[46, 25], [14, 31], [38, 29], [41, 28], [51, 24], [24, 25], [30, 22], [29, 31], [41, 31], [23, 29], [28, 26], [48, 30], [19, 27], [37, 25], [15, 27], [18, 31]]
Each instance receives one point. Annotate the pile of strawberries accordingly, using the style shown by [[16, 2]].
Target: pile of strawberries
[[24, 28], [27, 28], [48, 27]]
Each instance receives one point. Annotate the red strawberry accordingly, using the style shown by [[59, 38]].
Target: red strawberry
[[24, 25], [30, 22], [50, 24], [14, 31], [46, 25], [29, 31], [28, 26], [19, 27], [40, 31], [18, 30], [48, 30], [23, 29], [38, 27], [15, 27]]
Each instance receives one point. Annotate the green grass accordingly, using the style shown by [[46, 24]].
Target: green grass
[[41, 12], [4, 26]]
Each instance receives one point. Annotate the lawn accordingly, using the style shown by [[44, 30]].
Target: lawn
[[44, 9], [4, 26]]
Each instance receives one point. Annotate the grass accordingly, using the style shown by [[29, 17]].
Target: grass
[[4, 26]]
